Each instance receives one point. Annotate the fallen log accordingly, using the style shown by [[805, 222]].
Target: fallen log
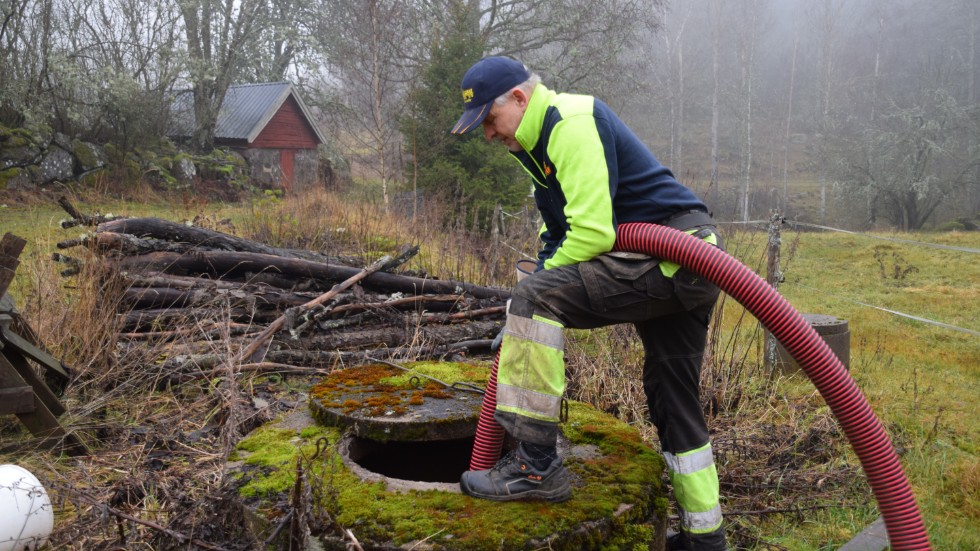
[[395, 336], [79, 219], [284, 282], [327, 359], [458, 317], [347, 314], [226, 264], [210, 331], [158, 318], [253, 299], [256, 351], [166, 230], [106, 243], [160, 279]]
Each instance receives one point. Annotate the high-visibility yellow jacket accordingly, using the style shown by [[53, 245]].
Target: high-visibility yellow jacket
[[590, 174]]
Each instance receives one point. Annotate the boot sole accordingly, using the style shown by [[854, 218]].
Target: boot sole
[[554, 496]]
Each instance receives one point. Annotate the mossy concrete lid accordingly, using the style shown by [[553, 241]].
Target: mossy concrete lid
[[424, 401]]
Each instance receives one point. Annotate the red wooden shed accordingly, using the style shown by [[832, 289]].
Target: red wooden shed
[[270, 125]]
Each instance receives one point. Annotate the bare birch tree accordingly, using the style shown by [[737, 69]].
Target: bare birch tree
[[827, 16], [746, 40], [789, 122], [367, 44], [713, 18], [674, 44]]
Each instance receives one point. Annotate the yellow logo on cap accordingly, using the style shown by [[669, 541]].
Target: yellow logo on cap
[[467, 95]]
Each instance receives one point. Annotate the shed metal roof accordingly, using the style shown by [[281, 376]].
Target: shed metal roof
[[245, 112]]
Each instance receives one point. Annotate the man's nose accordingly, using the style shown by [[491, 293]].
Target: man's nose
[[488, 132]]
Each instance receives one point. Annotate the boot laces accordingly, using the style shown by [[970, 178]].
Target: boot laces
[[509, 458]]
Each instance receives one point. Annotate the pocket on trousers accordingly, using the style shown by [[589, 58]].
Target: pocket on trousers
[[693, 290], [613, 283]]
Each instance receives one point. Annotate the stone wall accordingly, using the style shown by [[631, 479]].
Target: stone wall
[[30, 160]]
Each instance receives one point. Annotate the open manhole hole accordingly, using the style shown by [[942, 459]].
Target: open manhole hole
[[405, 427], [441, 461]]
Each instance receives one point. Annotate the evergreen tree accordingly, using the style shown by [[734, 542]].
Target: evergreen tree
[[463, 171]]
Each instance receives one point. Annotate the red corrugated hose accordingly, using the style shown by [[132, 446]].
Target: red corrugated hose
[[489, 433], [865, 432]]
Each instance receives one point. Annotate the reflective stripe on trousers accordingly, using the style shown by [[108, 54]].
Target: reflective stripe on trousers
[[531, 376], [695, 482]]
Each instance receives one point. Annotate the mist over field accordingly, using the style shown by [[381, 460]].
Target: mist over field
[[858, 113]]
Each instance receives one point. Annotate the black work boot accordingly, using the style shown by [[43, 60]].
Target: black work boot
[[679, 541], [513, 479]]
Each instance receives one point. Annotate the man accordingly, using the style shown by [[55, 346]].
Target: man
[[591, 173]]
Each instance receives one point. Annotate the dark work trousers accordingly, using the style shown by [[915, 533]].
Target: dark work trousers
[[671, 315]]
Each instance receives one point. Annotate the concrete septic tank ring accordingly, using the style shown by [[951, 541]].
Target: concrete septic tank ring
[[618, 496]]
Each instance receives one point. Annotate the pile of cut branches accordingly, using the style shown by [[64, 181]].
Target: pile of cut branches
[[285, 309]]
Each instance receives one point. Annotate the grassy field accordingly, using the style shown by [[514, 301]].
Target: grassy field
[[922, 379]]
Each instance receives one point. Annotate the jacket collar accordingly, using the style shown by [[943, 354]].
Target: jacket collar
[[529, 131]]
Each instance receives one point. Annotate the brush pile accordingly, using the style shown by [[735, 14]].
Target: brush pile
[[193, 286]]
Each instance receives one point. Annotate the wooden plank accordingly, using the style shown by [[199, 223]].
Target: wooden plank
[[27, 348], [15, 395], [16, 400], [12, 359], [10, 248], [40, 421]]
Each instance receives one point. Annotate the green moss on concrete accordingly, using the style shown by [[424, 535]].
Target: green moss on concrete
[[449, 372], [269, 455], [393, 389], [626, 472]]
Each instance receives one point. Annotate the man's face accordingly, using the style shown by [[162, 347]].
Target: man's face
[[502, 121]]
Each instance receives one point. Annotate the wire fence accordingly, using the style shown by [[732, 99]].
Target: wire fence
[[763, 224]]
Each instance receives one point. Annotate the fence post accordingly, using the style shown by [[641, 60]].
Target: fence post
[[773, 277]]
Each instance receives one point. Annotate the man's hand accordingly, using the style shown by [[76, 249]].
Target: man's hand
[[495, 345]]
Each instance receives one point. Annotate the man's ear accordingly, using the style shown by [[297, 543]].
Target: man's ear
[[520, 97]]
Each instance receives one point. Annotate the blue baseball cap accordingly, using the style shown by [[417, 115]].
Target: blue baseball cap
[[484, 82]]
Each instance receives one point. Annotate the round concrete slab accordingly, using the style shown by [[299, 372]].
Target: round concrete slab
[[382, 403]]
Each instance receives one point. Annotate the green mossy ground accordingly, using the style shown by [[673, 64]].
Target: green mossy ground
[[624, 472]]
